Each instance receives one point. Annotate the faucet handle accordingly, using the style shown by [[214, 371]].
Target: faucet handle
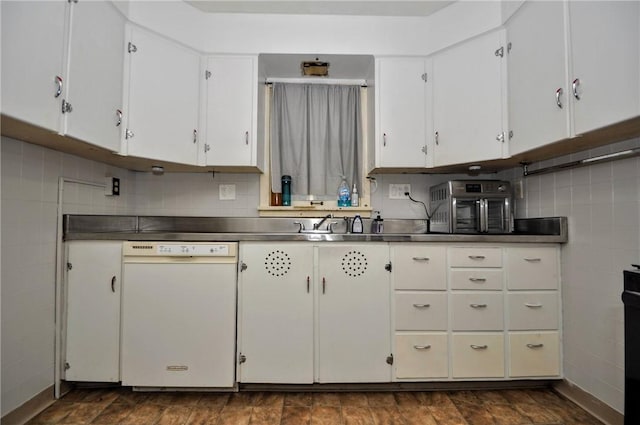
[[330, 226], [301, 226]]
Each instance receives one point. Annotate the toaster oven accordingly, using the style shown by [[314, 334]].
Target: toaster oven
[[471, 206]]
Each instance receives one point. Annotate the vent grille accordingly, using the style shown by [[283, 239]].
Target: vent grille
[[277, 263], [146, 247], [354, 263]]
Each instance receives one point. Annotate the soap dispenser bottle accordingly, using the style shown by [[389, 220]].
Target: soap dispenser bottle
[[377, 225], [344, 194]]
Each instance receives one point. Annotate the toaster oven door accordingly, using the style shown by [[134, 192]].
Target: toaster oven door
[[496, 215], [465, 215]]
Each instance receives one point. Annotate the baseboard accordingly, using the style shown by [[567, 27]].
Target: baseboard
[[588, 402], [29, 409]]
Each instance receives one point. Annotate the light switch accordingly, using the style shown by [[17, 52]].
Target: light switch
[[227, 192]]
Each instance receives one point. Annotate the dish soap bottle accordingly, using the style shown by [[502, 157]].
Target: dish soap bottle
[[344, 196], [356, 224], [354, 196]]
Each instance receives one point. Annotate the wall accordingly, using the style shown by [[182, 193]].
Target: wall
[[29, 211], [602, 203]]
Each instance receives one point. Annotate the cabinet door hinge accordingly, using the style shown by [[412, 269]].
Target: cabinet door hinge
[[207, 75], [207, 148], [67, 366], [500, 52], [128, 134], [387, 266], [500, 137], [243, 266], [424, 149], [424, 77], [132, 48], [509, 47], [390, 359], [241, 358], [69, 266], [510, 134], [66, 107]]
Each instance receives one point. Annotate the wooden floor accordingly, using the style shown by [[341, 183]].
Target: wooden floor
[[500, 407]]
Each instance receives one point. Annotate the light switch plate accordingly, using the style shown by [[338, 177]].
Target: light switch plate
[[397, 191], [227, 192]]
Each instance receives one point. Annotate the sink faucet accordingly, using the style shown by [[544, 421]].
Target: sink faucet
[[317, 225]]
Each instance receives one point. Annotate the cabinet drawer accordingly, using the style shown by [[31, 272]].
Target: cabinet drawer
[[480, 279], [416, 311], [477, 312], [475, 257], [421, 356], [532, 268], [417, 266], [534, 354], [477, 355], [533, 310]]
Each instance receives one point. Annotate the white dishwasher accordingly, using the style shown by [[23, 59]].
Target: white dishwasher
[[178, 314]]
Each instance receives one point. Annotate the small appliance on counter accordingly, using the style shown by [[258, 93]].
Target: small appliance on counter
[[471, 206]]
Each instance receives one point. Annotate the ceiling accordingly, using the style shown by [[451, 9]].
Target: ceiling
[[323, 7]]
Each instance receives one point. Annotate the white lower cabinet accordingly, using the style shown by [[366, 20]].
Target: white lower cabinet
[[92, 294], [422, 355], [314, 313], [533, 354], [477, 355]]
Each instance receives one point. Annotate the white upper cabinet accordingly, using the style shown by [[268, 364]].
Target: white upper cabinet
[[469, 98], [94, 89], [538, 95], [231, 109], [604, 40], [33, 44], [162, 98], [402, 108]]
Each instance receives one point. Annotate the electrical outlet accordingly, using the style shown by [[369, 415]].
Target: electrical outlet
[[227, 192], [111, 186], [397, 191]]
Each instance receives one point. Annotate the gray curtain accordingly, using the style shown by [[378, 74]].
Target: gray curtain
[[316, 138]]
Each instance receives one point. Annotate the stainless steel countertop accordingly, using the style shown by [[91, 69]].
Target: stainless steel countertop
[[152, 228]]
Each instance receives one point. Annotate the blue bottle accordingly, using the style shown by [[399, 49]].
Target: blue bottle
[[286, 191], [344, 194]]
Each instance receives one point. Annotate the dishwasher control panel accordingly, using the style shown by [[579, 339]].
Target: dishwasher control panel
[[179, 249]]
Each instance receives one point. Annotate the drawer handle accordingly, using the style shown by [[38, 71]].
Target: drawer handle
[[478, 279], [532, 346], [422, 305], [479, 347], [421, 258], [532, 305], [477, 257], [421, 347], [533, 260], [478, 305]]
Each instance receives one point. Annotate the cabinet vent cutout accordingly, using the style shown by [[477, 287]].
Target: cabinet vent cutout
[[354, 263], [277, 263]]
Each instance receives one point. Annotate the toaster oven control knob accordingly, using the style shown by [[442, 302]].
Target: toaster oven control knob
[[502, 188]]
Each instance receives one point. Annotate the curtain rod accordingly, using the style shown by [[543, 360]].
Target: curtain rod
[[336, 81], [629, 153]]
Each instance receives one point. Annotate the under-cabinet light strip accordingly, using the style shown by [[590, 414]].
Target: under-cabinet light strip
[[629, 153]]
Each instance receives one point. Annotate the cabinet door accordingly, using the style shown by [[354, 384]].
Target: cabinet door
[[231, 111], [93, 311], [604, 57], [469, 97], [95, 74], [163, 99], [401, 112], [33, 39], [538, 95], [354, 338], [275, 319]]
